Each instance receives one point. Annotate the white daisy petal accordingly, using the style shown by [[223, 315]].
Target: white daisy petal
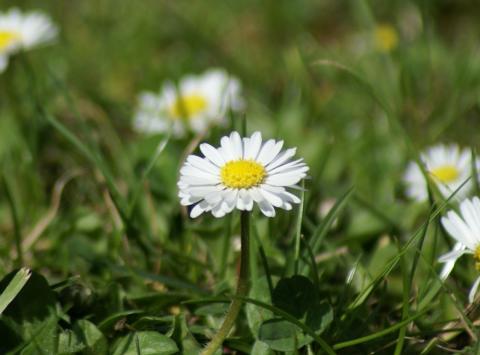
[[463, 231], [284, 179], [194, 171], [252, 146], [212, 154], [473, 290], [293, 169], [197, 180], [267, 152], [464, 228], [450, 259], [227, 149], [453, 255], [3, 62], [266, 208], [267, 156], [198, 209], [455, 232], [202, 190], [237, 145], [282, 158], [274, 199], [296, 163], [203, 164]]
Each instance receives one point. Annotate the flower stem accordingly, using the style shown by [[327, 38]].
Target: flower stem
[[242, 288]]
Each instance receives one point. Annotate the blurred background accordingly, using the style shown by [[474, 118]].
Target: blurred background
[[354, 84]]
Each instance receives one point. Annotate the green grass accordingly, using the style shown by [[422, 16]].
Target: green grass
[[118, 267]]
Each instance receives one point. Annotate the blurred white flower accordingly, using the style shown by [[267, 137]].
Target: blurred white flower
[[410, 21], [465, 229], [449, 167], [194, 105], [239, 173], [20, 31], [383, 38], [237, 243]]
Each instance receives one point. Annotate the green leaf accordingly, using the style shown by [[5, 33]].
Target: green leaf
[[256, 316], [183, 336], [13, 288], [85, 337], [294, 295], [322, 230], [298, 297], [30, 317], [281, 335], [260, 348], [149, 343]]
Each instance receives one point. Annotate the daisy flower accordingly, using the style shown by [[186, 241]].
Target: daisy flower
[[241, 172], [196, 103], [465, 229], [449, 167], [385, 38], [23, 31]]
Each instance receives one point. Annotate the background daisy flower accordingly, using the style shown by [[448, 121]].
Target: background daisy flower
[[385, 38], [449, 167], [194, 105], [23, 31], [465, 229], [239, 173]]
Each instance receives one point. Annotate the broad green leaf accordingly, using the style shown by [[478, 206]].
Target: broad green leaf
[[261, 348], [256, 316], [85, 337], [183, 336], [281, 335], [148, 342], [31, 315]]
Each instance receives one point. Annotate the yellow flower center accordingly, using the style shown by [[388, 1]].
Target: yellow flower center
[[7, 38], [242, 174], [188, 106], [386, 38], [476, 257], [446, 173]]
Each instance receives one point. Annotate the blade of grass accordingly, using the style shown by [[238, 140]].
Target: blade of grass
[[407, 287], [298, 229], [118, 200], [94, 159], [263, 259], [13, 288], [138, 188], [313, 266], [322, 230], [362, 296], [475, 176], [137, 345], [17, 233], [226, 246], [376, 335]]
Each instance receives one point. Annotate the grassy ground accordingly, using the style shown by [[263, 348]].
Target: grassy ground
[[121, 269]]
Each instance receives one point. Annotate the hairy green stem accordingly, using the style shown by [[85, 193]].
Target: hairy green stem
[[242, 289]]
